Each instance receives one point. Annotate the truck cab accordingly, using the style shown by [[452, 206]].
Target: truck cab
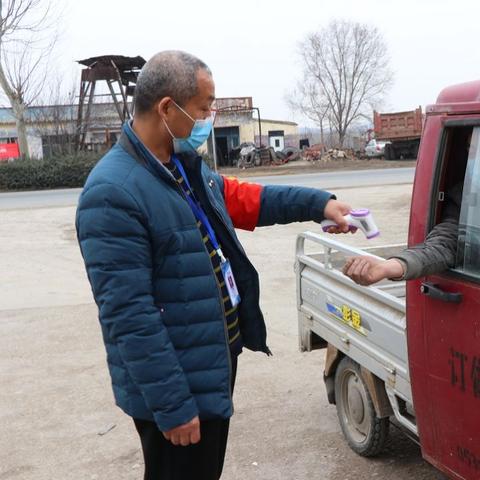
[[409, 350], [443, 310]]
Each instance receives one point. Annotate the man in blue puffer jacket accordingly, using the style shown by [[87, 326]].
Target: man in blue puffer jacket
[[178, 298]]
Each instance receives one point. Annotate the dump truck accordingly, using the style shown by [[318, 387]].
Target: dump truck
[[408, 352], [402, 132]]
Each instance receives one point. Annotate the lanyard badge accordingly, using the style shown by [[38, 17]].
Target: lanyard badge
[[230, 282]]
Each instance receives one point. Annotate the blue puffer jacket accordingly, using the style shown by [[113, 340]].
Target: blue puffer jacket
[[159, 306]]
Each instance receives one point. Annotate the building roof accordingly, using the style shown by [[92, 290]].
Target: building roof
[[122, 63], [280, 122], [49, 113], [228, 104]]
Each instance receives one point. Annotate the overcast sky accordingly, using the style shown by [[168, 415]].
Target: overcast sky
[[252, 45]]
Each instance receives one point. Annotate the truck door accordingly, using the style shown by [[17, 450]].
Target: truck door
[[449, 397]]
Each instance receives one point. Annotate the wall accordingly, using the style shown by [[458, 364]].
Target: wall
[[35, 146], [249, 129], [290, 131]]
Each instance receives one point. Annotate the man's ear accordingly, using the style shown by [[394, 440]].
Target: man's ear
[[164, 107]]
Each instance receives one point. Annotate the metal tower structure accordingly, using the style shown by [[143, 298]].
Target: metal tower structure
[[117, 71]]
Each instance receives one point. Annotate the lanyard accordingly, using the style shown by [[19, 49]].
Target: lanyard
[[197, 210], [194, 205]]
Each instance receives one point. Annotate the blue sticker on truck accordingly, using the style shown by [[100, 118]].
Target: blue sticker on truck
[[348, 316], [334, 310]]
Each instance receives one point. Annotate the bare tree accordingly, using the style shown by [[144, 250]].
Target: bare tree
[[27, 37], [348, 64], [54, 116], [308, 99]]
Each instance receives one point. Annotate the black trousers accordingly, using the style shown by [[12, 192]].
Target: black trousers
[[202, 461]]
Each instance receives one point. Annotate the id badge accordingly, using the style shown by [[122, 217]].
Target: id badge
[[230, 282]]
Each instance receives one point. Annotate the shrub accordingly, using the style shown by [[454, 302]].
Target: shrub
[[57, 172]]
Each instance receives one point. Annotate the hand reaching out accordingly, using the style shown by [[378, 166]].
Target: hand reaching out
[[366, 270]]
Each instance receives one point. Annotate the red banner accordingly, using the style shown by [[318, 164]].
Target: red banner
[[9, 150]]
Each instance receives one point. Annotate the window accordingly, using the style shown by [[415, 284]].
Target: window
[[277, 143], [468, 251], [276, 133], [446, 201]]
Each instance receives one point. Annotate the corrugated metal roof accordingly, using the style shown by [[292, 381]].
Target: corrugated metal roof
[[51, 113], [123, 63], [280, 122]]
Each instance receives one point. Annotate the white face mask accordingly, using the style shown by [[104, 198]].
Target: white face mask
[[198, 136]]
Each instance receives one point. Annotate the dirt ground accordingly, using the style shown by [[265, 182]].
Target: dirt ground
[[56, 407]]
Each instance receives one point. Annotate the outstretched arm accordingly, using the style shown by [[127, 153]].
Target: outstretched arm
[[435, 255], [252, 205]]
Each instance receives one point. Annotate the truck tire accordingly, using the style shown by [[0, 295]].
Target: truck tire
[[415, 150], [366, 434], [389, 152]]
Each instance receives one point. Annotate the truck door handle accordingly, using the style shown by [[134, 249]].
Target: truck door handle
[[434, 291]]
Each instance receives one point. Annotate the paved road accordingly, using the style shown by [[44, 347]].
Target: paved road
[[343, 179], [326, 180]]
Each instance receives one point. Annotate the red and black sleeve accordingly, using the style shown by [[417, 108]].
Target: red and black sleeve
[[243, 201]]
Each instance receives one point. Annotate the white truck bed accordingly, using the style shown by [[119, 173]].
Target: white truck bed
[[368, 324]]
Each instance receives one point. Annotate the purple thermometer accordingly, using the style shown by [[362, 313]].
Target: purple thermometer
[[361, 219]]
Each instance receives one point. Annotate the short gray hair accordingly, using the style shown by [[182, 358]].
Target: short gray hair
[[171, 73]]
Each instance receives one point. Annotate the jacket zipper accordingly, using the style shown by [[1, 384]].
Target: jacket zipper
[[219, 216], [172, 180], [219, 290]]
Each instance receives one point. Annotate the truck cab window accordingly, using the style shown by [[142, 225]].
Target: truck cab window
[[447, 195], [456, 156], [468, 250]]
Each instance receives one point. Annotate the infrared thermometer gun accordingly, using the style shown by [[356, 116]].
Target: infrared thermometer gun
[[361, 219]]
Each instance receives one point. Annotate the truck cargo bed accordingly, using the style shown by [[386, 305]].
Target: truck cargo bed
[[368, 324]]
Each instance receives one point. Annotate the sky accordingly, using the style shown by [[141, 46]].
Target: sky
[[252, 46]]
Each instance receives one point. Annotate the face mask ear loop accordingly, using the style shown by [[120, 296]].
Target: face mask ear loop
[[168, 129], [182, 110]]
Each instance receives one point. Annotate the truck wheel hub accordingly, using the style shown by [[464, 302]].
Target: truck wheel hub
[[355, 401]]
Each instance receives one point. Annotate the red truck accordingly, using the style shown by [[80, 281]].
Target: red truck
[[402, 131], [409, 350]]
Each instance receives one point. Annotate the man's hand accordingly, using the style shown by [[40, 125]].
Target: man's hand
[[185, 434], [368, 270], [336, 211]]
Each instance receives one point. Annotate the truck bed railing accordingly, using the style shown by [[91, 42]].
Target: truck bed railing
[[382, 292]]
